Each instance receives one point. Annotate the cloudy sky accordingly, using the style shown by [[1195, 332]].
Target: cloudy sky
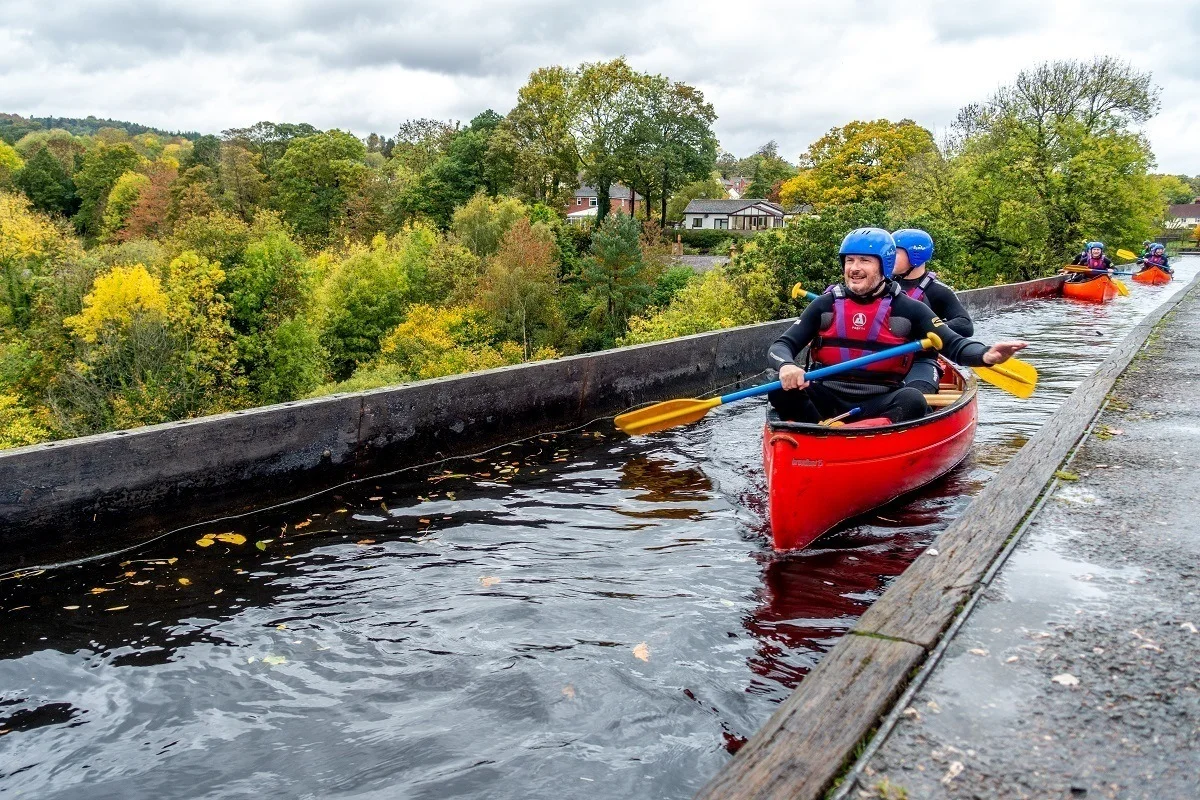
[[786, 71]]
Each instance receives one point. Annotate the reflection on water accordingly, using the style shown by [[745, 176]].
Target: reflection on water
[[576, 615]]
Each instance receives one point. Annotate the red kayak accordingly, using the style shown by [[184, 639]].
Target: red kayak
[[818, 476], [1153, 276], [1100, 289]]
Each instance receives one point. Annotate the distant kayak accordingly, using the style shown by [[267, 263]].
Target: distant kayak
[[1153, 276]]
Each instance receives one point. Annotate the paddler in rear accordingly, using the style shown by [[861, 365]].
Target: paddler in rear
[[866, 313], [914, 249]]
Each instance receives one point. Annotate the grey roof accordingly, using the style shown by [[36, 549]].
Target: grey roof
[[1180, 210], [727, 206], [615, 192]]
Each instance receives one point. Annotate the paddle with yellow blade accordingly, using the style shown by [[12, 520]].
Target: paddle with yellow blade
[[799, 292], [672, 413]]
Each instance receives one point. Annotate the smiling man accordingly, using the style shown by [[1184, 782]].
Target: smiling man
[[866, 313]]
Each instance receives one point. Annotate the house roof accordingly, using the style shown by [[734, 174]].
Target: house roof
[[615, 192], [587, 212], [729, 206], [1181, 210]]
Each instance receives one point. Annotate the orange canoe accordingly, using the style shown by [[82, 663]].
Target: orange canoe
[[1100, 289], [818, 477], [1153, 276]]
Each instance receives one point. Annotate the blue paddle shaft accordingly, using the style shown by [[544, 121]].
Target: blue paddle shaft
[[826, 372]]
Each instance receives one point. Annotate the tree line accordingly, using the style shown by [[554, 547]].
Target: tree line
[[148, 277]]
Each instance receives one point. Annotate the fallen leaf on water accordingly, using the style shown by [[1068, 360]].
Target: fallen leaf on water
[[262, 543], [912, 714], [978, 651], [304, 524], [1189, 627], [340, 511], [569, 692], [1066, 679], [185, 582], [139, 583], [171, 560], [281, 626], [365, 542], [117, 608], [423, 521], [231, 538], [642, 651], [934, 707], [206, 542], [488, 580], [274, 661], [1011, 660], [377, 497], [71, 608], [956, 768], [130, 574], [218, 591]]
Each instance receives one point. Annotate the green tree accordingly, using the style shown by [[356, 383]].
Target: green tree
[[270, 140], [243, 186], [707, 189], [314, 179], [47, 184], [604, 107], [767, 171], [481, 223], [206, 152], [708, 302], [102, 166], [121, 202], [619, 281], [536, 137], [519, 286], [10, 165]]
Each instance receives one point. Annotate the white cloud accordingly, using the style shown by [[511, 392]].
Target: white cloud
[[786, 71]]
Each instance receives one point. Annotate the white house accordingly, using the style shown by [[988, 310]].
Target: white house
[[749, 214], [1183, 215]]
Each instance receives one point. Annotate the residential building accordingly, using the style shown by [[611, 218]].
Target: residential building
[[750, 214], [736, 187], [1183, 215], [619, 199]]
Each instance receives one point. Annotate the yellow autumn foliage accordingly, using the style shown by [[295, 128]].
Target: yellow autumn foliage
[[18, 425], [26, 234], [117, 297]]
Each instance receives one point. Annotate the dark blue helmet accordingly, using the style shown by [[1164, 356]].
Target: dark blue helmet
[[916, 242], [871, 242], [1156, 246], [1096, 244]]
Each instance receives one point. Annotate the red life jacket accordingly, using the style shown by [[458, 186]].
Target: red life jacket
[[1157, 261], [856, 330], [1096, 263], [917, 292]]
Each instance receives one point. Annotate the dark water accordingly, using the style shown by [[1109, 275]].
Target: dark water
[[578, 615]]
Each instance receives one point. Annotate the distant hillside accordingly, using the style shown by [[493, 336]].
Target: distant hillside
[[14, 126]]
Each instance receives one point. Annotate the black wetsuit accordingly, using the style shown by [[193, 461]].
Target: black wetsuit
[[1164, 266], [910, 319], [944, 302]]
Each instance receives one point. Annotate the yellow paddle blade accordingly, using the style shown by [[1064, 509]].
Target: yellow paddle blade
[[1122, 289], [798, 291], [661, 416], [1013, 376], [1126, 255]]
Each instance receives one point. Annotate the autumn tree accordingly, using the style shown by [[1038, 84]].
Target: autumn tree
[[243, 186], [149, 217], [536, 136], [519, 285], [482, 222], [102, 166]]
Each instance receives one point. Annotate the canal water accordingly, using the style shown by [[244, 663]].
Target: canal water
[[577, 615]]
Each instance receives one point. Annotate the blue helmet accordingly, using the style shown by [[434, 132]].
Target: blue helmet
[[871, 242], [917, 243], [1096, 244], [1155, 246]]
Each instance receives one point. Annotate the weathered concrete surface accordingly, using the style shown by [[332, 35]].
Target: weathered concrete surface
[[1104, 589]]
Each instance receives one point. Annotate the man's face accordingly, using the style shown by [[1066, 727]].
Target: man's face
[[1097, 252], [902, 264], [862, 273]]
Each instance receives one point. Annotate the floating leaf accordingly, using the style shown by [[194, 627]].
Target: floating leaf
[[642, 651], [218, 591], [1066, 679], [365, 542], [117, 608], [423, 521], [206, 542], [378, 497], [304, 524], [569, 692], [956, 768], [185, 582], [488, 580], [978, 651], [130, 574], [231, 538], [274, 661], [139, 583], [172, 560], [71, 608], [99, 590], [261, 544], [1189, 627]]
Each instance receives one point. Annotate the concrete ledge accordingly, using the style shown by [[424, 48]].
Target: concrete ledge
[[146, 478], [914, 611]]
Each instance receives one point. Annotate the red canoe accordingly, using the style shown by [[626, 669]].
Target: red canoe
[[1100, 289], [818, 477], [1153, 276]]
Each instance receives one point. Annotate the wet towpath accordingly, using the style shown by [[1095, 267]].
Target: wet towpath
[[1078, 673], [576, 615]]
